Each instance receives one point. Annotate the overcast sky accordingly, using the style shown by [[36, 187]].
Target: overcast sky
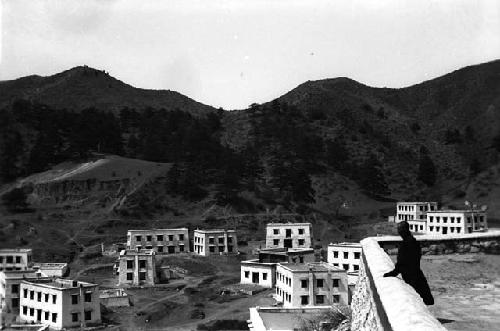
[[233, 53]]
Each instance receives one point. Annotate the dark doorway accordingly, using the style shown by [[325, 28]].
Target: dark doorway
[[288, 243], [255, 277]]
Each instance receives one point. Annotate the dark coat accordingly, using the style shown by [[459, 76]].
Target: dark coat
[[408, 265]]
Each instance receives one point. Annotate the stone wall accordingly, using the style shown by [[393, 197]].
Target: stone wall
[[381, 303], [485, 242]]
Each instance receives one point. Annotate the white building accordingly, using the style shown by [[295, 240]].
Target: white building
[[289, 235], [216, 241], [448, 222], [414, 211], [262, 271], [345, 255], [162, 241], [137, 267], [15, 259], [52, 269], [311, 284], [60, 303]]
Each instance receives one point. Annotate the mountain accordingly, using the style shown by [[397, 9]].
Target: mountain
[[332, 146], [84, 87]]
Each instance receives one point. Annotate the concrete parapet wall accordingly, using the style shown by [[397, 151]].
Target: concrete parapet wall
[[386, 303], [486, 242]]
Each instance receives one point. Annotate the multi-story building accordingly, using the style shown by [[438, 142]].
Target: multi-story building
[[10, 283], [311, 284], [162, 241], [345, 256], [289, 235], [137, 267], [262, 271], [60, 303], [216, 241], [414, 211], [15, 259], [447, 222]]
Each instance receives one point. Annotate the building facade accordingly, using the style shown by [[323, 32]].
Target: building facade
[[449, 222], [215, 242], [345, 255], [311, 284], [52, 269], [262, 271], [289, 235], [137, 267], [414, 211], [162, 241], [60, 303], [15, 259]]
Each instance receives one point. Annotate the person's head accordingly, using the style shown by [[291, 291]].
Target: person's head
[[404, 229]]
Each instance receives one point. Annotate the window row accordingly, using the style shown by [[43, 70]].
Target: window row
[[10, 259], [160, 237], [288, 232], [346, 255], [46, 297], [211, 249], [160, 249], [211, 240], [276, 242], [345, 266]]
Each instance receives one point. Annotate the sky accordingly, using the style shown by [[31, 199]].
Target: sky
[[231, 53]]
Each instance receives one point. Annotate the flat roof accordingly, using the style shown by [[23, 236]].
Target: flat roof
[[490, 233], [417, 202], [134, 252], [285, 250], [15, 250], [346, 244], [61, 284], [213, 230], [289, 224], [279, 318], [50, 265], [311, 266], [149, 230], [22, 274], [456, 211]]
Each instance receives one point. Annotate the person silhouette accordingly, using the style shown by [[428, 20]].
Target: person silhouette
[[408, 264]]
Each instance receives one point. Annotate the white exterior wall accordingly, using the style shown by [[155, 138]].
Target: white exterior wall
[[299, 235], [260, 270], [37, 310], [456, 222], [408, 211], [336, 255], [162, 241], [211, 242], [15, 259], [132, 275], [9, 282], [290, 292], [418, 226]]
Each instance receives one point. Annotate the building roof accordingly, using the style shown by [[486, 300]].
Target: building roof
[[289, 224], [311, 266], [151, 230], [22, 274], [60, 284], [278, 318], [15, 250], [346, 244], [213, 230], [417, 202], [133, 252], [50, 265], [445, 211], [286, 251]]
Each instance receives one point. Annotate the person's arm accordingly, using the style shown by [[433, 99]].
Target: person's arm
[[399, 262]]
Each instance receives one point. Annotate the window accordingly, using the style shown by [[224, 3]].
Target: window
[[160, 249], [46, 316], [54, 299], [159, 237], [335, 255], [346, 255], [18, 259], [303, 283], [276, 242], [301, 242], [431, 218], [39, 296], [142, 263], [10, 259], [221, 249], [229, 240], [181, 236], [357, 255], [170, 237], [138, 238], [25, 293], [336, 298], [46, 297], [335, 282], [421, 227], [15, 302], [15, 288], [345, 266], [221, 240], [320, 299], [301, 259], [356, 267], [264, 276], [276, 231], [247, 274], [88, 297], [211, 240], [301, 231], [148, 238], [181, 248], [149, 247], [431, 228], [211, 249], [142, 275], [230, 249], [319, 283], [54, 317], [130, 276], [74, 317], [304, 299], [74, 299], [88, 315], [32, 311], [32, 295], [25, 310]]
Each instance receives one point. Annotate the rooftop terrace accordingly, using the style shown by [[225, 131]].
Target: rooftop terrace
[[312, 266]]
